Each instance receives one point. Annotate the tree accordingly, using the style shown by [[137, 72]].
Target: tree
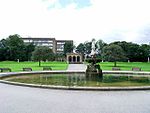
[[113, 53], [80, 48], [59, 57], [99, 45], [42, 53], [144, 52], [135, 52], [68, 47], [88, 47], [3, 50], [29, 49], [15, 47]]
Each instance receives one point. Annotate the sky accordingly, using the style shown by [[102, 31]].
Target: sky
[[78, 20]]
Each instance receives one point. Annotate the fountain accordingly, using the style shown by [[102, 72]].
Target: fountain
[[93, 70]]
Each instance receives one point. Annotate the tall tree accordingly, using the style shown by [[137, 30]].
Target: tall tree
[[99, 45], [88, 47], [135, 52], [144, 52], [113, 53], [29, 49], [3, 50], [42, 53], [80, 48], [68, 47], [16, 47]]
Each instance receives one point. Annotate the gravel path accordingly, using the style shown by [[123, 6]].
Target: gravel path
[[81, 67]]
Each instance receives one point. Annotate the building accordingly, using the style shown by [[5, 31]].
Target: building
[[56, 45], [74, 58]]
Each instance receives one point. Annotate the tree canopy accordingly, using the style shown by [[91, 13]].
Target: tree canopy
[[80, 48], [113, 53], [42, 53], [68, 47], [13, 48]]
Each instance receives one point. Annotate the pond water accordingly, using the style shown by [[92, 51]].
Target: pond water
[[108, 80]]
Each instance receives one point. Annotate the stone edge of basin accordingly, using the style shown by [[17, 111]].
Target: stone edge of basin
[[74, 87]]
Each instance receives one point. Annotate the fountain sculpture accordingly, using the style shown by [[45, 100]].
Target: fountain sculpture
[[93, 70]]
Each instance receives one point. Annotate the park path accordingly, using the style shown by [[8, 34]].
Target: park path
[[17, 99], [78, 67]]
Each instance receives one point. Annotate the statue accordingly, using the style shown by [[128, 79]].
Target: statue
[[98, 50], [93, 48], [93, 70]]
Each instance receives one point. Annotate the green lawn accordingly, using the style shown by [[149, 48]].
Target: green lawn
[[15, 66], [125, 65]]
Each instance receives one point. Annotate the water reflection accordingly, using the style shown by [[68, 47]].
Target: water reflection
[[82, 80]]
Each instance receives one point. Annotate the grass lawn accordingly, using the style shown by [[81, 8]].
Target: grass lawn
[[125, 65], [15, 66]]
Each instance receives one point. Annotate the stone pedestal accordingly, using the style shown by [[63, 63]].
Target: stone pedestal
[[94, 71]]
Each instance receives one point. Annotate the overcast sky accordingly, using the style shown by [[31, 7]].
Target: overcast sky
[[79, 20]]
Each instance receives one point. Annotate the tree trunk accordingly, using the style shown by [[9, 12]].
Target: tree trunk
[[39, 63], [115, 64]]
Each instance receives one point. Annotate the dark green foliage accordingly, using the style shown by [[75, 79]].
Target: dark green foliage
[[113, 53], [80, 49], [88, 46], [144, 52], [68, 47], [42, 53], [135, 52], [29, 49], [59, 57], [90, 60], [13, 49], [84, 48], [3, 50], [100, 45]]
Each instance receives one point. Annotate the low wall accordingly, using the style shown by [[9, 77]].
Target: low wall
[[129, 73], [71, 72]]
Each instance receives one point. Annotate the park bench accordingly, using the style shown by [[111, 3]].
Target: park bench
[[27, 69], [47, 68], [116, 68], [136, 69], [5, 69]]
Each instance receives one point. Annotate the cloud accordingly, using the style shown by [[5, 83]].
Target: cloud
[[64, 3], [109, 20]]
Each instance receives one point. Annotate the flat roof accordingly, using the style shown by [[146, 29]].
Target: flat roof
[[37, 38], [64, 40]]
